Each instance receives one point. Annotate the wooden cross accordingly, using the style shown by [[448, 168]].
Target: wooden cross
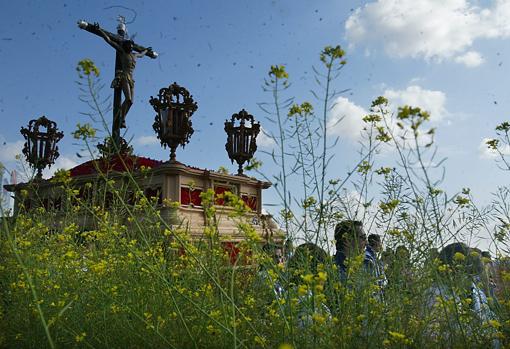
[[125, 59]]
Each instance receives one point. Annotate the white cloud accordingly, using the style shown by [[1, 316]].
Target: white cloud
[[9, 150], [147, 140], [62, 162], [485, 152], [470, 59], [264, 139], [65, 163], [431, 29], [488, 153], [429, 100], [351, 203], [345, 119]]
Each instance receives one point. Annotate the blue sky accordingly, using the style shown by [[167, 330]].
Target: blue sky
[[450, 57]]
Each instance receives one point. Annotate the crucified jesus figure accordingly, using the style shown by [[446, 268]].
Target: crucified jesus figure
[[124, 76]]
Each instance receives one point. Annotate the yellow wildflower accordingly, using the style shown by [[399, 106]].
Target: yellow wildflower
[[70, 254], [260, 340], [302, 290], [307, 278], [80, 337], [249, 301], [318, 318], [494, 323], [459, 257], [115, 308], [396, 335], [285, 346], [399, 337], [474, 254], [322, 276], [99, 267], [211, 329], [442, 268]]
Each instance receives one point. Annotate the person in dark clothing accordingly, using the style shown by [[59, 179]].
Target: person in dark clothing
[[399, 269], [372, 251], [489, 275], [372, 261], [464, 282], [306, 258], [350, 241], [374, 243]]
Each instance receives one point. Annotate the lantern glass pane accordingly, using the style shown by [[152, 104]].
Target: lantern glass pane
[[178, 130], [163, 120], [40, 153], [171, 123], [29, 144], [237, 141], [247, 136], [33, 152], [47, 149]]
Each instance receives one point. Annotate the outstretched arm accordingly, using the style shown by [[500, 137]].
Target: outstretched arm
[[143, 53], [107, 38]]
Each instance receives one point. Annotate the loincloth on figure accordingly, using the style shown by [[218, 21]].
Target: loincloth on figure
[[121, 76]]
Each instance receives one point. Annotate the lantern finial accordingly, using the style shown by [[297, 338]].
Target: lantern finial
[[241, 140], [41, 138], [172, 124]]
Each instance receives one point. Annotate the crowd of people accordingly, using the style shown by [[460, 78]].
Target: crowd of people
[[476, 279]]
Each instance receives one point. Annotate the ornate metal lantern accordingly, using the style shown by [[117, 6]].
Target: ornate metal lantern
[[40, 147], [174, 107], [241, 140]]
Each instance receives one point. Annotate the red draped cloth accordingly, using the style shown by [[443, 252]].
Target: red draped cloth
[[119, 163]]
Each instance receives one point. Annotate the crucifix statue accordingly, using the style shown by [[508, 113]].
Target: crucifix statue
[[125, 60]]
